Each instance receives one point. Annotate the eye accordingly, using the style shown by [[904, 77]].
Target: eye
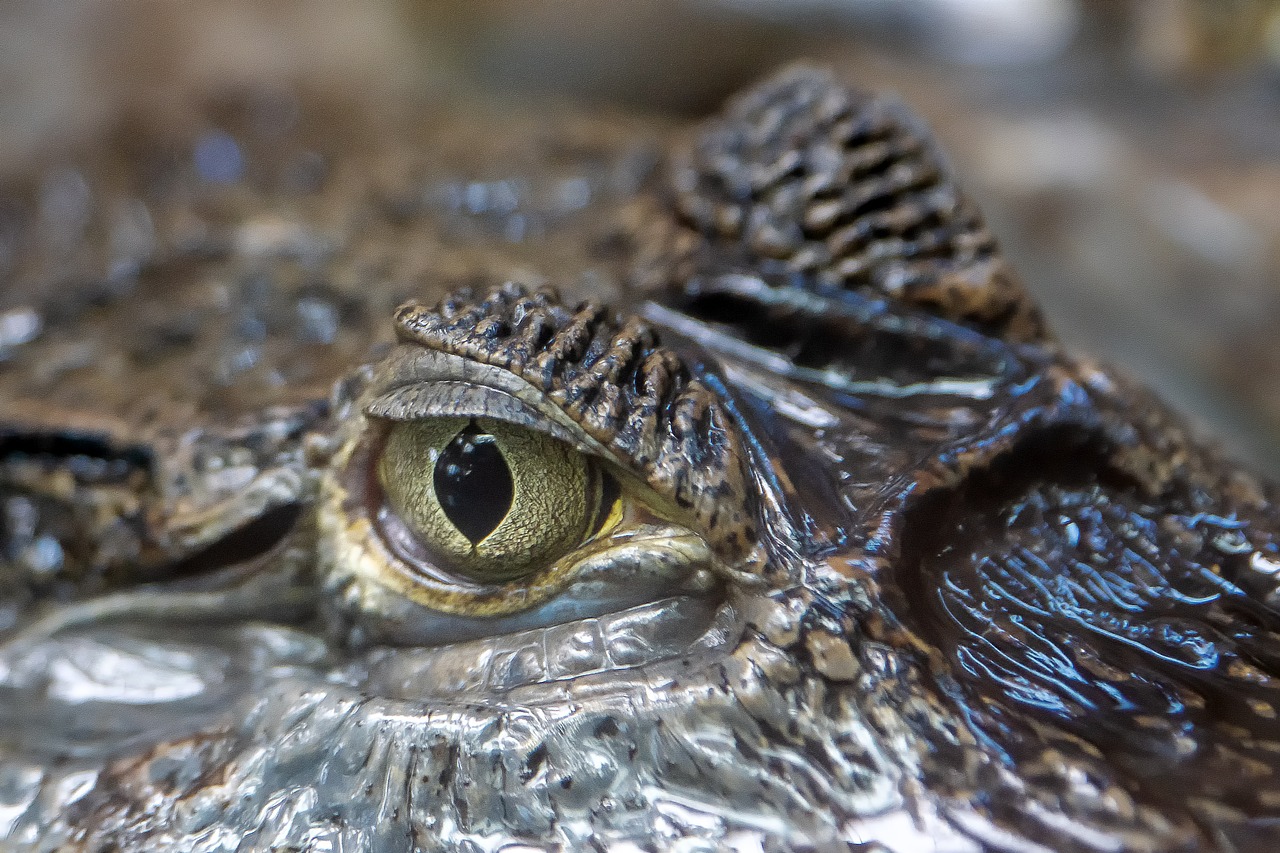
[[481, 518], [489, 500], [449, 528], [517, 465]]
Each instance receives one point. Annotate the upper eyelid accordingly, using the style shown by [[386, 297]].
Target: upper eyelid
[[457, 399], [417, 383]]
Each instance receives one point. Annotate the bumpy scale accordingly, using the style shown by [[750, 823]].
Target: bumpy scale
[[877, 565]]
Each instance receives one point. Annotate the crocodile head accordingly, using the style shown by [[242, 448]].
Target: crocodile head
[[813, 538]]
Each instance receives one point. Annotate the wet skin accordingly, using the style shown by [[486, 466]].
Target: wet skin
[[708, 489]]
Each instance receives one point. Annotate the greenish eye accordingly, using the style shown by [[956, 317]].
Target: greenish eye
[[492, 500]]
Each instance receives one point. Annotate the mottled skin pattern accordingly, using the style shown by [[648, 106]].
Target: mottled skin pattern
[[977, 593]]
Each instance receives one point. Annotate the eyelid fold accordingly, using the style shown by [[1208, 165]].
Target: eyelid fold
[[453, 398]]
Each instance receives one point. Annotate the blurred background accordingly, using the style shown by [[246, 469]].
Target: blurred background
[[1127, 151]]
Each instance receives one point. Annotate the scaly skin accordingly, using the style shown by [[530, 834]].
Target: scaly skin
[[968, 592]]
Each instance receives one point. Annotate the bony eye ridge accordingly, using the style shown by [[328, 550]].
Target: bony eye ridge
[[490, 500]]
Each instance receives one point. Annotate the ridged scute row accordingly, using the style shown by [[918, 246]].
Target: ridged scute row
[[834, 188], [611, 375]]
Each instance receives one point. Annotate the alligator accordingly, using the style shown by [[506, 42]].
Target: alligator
[[754, 507]]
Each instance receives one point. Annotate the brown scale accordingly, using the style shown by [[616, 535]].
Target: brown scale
[[803, 178]]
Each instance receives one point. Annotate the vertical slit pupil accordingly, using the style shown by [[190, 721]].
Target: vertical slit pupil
[[473, 483]]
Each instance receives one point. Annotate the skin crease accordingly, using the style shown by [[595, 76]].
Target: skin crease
[[929, 581]]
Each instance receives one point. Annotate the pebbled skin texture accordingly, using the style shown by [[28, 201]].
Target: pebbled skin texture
[[987, 595]]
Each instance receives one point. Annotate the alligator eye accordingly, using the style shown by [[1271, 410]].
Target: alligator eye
[[533, 468], [459, 512], [491, 500]]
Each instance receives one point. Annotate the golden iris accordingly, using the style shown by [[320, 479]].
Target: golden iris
[[492, 500]]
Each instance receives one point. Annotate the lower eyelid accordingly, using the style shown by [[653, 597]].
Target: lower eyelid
[[648, 565], [639, 636]]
